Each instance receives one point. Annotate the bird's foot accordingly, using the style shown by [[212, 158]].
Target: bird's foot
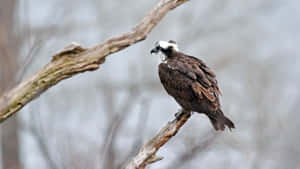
[[180, 113]]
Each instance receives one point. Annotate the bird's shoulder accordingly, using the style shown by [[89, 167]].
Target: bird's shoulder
[[200, 64], [192, 66]]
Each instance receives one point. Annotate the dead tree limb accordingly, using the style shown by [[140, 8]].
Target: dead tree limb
[[146, 155], [75, 59]]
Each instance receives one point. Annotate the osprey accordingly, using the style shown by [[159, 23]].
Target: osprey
[[192, 84]]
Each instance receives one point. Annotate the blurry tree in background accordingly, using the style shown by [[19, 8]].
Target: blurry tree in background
[[14, 62], [9, 66], [100, 119]]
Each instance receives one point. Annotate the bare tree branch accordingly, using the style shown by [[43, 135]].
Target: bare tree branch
[[192, 152], [42, 144], [114, 128], [147, 153], [75, 59], [139, 133]]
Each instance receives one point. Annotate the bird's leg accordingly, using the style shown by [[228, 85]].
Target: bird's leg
[[178, 114], [181, 112]]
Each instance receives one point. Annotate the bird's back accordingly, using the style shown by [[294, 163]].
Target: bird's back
[[194, 86]]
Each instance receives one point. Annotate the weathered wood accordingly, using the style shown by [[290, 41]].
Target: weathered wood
[[76, 60], [146, 155]]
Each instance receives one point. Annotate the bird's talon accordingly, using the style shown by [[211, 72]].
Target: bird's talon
[[179, 114]]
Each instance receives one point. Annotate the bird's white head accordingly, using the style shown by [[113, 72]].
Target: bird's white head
[[164, 45], [165, 49]]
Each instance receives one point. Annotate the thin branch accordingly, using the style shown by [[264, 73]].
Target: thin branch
[[114, 129], [139, 133], [43, 146], [75, 59], [147, 153], [194, 151], [36, 129]]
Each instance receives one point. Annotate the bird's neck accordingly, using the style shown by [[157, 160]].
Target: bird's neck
[[170, 54]]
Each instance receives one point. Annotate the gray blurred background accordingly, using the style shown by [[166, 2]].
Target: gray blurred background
[[98, 120]]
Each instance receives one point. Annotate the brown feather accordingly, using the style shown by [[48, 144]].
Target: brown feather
[[197, 90], [194, 87]]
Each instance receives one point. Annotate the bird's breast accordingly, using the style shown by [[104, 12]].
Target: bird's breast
[[162, 57]]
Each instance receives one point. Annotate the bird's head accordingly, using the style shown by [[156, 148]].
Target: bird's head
[[165, 49]]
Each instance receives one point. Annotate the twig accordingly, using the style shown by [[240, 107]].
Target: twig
[[194, 151], [114, 128], [76, 59], [139, 133], [147, 153]]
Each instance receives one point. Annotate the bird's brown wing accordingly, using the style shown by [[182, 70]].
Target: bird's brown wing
[[209, 74], [194, 86], [205, 83]]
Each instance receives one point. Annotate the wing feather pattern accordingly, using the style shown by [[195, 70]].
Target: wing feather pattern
[[194, 87], [205, 83]]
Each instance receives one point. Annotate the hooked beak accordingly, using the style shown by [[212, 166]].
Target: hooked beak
[[154, 50]]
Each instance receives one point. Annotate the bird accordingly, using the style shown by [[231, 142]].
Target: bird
[[191, 83]]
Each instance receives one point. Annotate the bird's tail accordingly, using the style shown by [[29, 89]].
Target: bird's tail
[[219, 121]]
